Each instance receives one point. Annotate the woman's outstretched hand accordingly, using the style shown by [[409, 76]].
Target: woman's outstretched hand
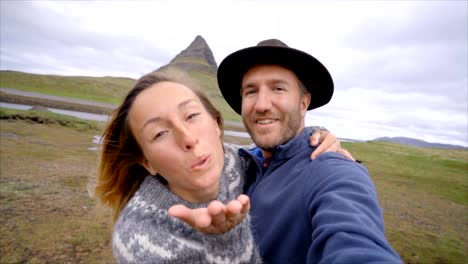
[[217, 218]]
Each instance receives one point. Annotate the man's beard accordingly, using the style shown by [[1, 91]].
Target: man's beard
[[291, 130]]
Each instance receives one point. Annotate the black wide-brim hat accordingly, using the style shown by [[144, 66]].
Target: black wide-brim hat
[[308, 69]]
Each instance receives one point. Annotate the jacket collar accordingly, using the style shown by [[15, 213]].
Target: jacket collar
[[297, 144], [289, 149]]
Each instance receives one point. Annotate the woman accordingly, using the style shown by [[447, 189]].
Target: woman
[[164, 147]]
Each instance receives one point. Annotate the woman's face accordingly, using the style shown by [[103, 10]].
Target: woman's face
[[179, 140]]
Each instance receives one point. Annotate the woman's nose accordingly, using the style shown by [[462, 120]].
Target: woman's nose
[[186, 139]]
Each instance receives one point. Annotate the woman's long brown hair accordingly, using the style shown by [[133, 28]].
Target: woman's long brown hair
[[120, 173]]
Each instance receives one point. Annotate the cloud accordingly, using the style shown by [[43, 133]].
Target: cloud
[[411, 23], [42, 40], [367, 114], [399, 67]]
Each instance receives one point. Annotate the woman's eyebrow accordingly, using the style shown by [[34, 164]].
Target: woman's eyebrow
[[185, 103], [157, 119], [149, 121]]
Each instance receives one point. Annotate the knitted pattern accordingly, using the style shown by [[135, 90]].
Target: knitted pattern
[[145, 233]]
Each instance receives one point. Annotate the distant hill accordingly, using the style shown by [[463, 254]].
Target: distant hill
[[417, 142], [350, 140], [198, 61], [100, 89]]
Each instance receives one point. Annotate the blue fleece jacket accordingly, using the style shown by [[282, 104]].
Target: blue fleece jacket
[[320, 211]]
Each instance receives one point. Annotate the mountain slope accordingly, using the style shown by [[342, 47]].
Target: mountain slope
[[198, 62]]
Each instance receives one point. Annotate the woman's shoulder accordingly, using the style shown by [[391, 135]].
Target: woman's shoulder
[[146, 210], [150, 200], [232, 156], [231, 149], [144, 234]]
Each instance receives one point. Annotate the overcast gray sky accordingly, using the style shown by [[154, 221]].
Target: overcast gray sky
[[400, 67]]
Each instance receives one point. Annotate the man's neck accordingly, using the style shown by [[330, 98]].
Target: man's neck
[[268, 154]]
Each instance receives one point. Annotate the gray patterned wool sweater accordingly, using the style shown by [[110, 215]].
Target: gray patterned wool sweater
[[145, 233]]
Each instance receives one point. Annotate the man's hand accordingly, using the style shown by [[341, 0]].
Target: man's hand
[[217, 218], [328, 142]]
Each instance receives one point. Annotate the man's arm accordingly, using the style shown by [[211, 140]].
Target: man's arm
[[345, 215]]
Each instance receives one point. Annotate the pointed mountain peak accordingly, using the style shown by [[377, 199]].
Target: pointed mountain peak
[[199, 51], [198, 64], [198, 41]]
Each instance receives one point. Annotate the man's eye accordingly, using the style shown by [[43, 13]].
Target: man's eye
[[278, 88], [249, 92]]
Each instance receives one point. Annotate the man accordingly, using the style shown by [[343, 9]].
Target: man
[[302, 211]]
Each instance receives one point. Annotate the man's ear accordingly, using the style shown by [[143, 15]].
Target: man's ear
[[305, 101], [145, 163]]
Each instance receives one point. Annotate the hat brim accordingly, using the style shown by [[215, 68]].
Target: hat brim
[[308, 69]]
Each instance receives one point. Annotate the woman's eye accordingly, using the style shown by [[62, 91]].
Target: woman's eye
[[159, 134], [193, 115]]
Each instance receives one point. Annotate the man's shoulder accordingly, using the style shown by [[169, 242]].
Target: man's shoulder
[[328, 159], [331, 172], [335, 167]]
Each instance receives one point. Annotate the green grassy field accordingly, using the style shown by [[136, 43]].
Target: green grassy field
[[100, 89], [424, 195], [47, 216]]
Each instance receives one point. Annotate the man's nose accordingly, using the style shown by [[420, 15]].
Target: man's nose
[[263, 102]]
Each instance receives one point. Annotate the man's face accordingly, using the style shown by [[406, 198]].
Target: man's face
[[273, 105]]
